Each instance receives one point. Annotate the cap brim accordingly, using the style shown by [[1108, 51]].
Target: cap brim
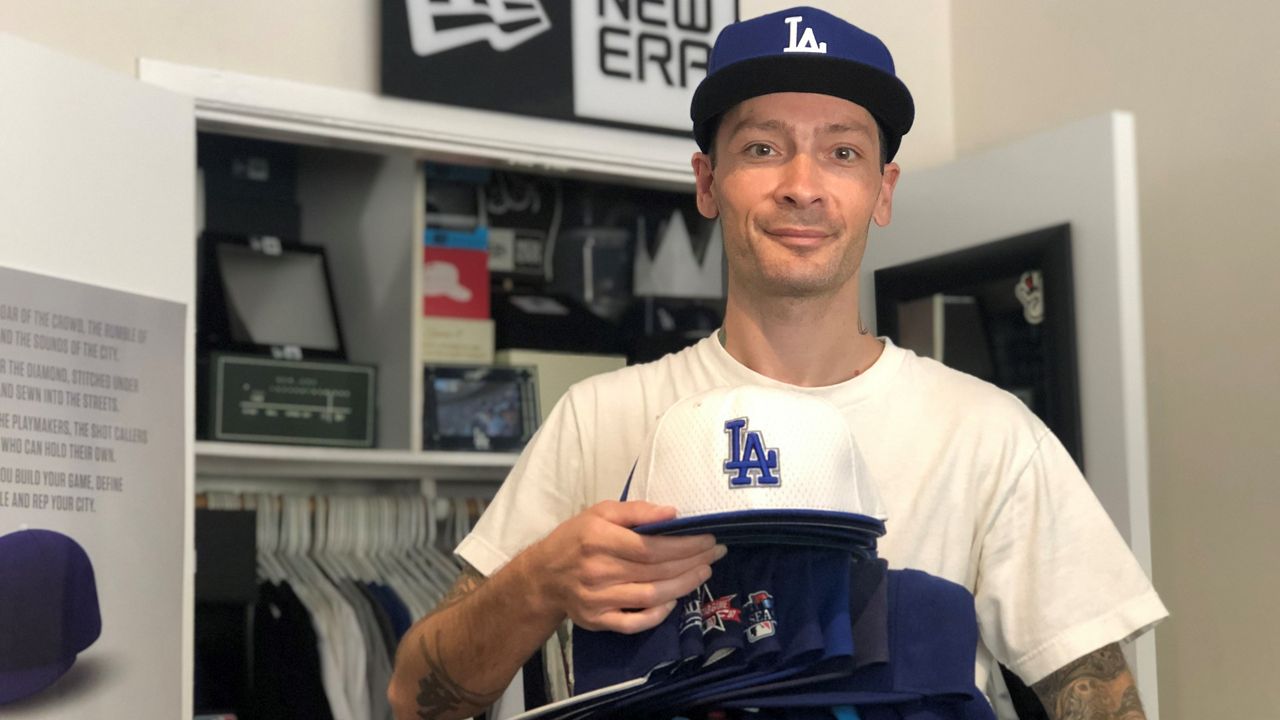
[[23, 683], [588, 699], [775, 519], [882, 94]]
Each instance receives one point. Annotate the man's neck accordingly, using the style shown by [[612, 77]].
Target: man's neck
[[810, 342]]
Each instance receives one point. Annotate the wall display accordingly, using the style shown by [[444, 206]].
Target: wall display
[[619, 62], [1004, 312], [552, 321], [91, 500], [249, 187], [301, 402], [260, 294], [523, 213], [684, 259], [479, 407]]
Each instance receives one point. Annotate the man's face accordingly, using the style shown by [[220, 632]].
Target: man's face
[[796, 182]]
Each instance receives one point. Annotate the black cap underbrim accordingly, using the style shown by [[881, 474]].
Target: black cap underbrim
[[882, 94]]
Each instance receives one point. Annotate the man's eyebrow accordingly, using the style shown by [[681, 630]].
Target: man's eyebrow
[[749, 123], [836, 128], [848, 127]]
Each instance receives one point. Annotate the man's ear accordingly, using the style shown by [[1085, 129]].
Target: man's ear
[[703, 174], [883, 212]]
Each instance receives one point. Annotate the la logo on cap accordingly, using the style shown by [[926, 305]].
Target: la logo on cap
[[750, 463], [807, 42]]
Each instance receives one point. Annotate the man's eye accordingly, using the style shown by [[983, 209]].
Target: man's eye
[[759, 150], [846, 153]]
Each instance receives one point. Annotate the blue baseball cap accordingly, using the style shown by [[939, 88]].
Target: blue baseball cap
[[766, 612], [48, 610], [802, 49], [932, 637]]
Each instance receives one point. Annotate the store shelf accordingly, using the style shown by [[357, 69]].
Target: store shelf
[[259, 461]]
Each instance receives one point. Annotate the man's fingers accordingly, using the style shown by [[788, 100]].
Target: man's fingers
[[629, 545], [648, 594], [623, 571], [633, 513], [629, 622]]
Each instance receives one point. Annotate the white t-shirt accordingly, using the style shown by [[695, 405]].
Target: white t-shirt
[[977, 489]]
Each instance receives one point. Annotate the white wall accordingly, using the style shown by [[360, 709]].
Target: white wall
[[330, 42], [1203, 81]]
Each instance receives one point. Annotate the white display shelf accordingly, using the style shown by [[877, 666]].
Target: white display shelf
[[223, 460]]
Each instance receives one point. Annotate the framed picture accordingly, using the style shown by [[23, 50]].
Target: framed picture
[[479, 407], [1003, 311], [263, 295]]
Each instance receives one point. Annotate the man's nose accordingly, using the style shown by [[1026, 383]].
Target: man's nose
[[801, 184]]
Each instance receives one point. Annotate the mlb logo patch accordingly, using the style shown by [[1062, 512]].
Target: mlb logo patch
[[760, 616], [750, 463]]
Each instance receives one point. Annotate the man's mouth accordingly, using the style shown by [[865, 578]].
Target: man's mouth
[[797, 235]]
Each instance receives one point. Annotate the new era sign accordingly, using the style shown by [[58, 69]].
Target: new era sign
[[627, 62]]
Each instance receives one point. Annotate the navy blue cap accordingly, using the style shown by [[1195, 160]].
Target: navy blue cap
[[932, 639], [766, 612], [802, 49], [48, 610]]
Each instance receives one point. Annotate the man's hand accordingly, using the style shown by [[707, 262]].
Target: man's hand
[[592, 568], [1097, 686], [605, 576]]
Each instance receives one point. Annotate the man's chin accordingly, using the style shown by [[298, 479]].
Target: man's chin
[[798, 287]]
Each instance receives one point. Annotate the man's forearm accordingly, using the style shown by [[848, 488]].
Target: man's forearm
[[458, 660], [1098, 686]]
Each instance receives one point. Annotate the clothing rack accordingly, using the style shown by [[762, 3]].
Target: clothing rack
[[341, 578]]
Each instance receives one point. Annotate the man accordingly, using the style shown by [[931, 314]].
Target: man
[[798, 121]]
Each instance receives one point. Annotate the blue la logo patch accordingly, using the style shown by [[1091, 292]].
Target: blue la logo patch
[[750, 463]]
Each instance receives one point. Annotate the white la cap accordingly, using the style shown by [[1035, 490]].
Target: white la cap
[[752, 454]]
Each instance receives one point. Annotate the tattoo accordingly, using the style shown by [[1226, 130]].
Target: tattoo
[[468, 581], [1098, 686], [439, 693]]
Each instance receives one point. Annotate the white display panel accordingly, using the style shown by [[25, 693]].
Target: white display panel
[[92, 454], [97, 171]]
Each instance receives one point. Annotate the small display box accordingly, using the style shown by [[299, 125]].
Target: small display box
[[479, 407]]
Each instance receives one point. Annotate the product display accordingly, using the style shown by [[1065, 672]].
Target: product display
[[48, 610], [479, 407], [262, 295], [456, 341], [257, 399]]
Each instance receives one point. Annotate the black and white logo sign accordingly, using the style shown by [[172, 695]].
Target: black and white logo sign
[[626, 62], [640, 61], [439, 25]]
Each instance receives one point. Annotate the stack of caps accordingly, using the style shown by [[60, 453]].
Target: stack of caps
[[800, 616]]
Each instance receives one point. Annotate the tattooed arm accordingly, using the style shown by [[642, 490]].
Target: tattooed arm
[[1098, 686], [458, 660]]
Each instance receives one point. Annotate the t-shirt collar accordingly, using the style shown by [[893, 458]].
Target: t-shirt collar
[[854, 390]]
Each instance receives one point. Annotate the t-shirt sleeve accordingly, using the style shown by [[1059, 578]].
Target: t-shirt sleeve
[[538, 494], [1056, 580]]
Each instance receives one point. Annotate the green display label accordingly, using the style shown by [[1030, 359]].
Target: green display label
[[282, 401]]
